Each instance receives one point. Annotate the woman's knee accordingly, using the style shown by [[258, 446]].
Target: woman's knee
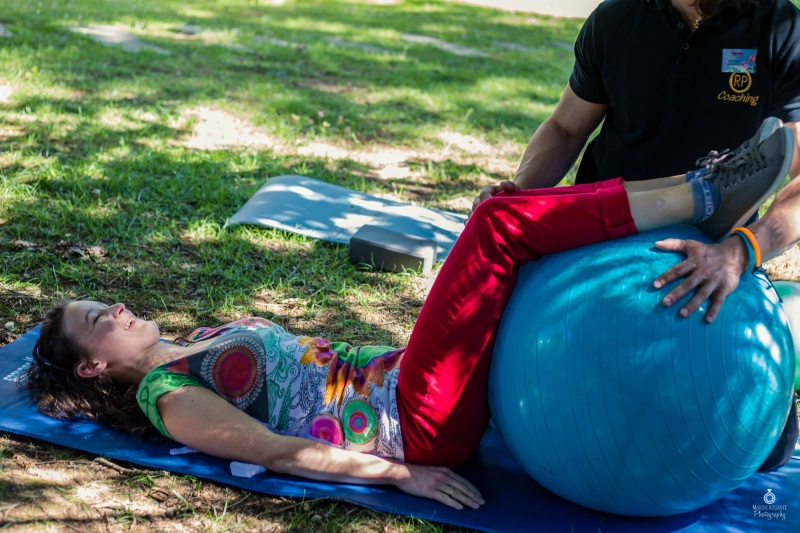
[[489, 210]]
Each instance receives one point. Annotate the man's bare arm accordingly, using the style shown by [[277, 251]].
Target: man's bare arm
[[557, 143], [554, 147], [779, 228]]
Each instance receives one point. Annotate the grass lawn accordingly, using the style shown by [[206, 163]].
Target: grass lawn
[[119, 169]]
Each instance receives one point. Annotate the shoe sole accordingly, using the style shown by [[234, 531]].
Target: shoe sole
[[788, 146]]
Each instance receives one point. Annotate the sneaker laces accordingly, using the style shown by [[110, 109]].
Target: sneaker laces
[[713, 158], [736, 169]]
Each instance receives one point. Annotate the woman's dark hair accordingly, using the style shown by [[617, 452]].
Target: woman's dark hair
[[59, 391], [711, 8]]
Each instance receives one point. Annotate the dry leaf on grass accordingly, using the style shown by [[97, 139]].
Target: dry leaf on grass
[[24, 244], [159, 495], [74, 249]]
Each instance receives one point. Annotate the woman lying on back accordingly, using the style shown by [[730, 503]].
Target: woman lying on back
[[250, 391]]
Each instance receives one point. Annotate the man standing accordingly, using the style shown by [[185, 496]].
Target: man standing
[[672, 80]]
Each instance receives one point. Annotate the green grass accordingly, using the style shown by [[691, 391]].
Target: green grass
[[82, 164], [92, 154]]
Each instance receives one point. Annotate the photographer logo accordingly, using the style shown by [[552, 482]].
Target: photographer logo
[[770, 511]]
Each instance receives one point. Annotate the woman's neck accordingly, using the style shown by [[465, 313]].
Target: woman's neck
[[135, 370]]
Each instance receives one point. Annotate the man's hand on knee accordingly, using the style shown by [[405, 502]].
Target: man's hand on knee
[[489, 191]]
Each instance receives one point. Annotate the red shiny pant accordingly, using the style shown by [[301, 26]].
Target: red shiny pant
[[442, 392]]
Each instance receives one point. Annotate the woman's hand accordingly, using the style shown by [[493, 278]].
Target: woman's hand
[[489, 191], [714, 269], [438, 483]]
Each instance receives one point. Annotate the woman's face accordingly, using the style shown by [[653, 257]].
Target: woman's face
[[108, 334]]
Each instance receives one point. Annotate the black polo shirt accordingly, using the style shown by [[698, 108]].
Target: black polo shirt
[[674, 95]]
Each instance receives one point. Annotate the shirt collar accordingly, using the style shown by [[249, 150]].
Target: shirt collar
[[658, 4], [663, 4]]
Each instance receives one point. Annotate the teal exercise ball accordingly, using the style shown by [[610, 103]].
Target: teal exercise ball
[[614, 402], [789, 291]]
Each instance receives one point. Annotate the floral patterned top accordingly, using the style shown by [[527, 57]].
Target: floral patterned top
[[306, 387]]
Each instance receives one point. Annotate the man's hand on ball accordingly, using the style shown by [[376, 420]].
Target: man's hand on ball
[[712, 269], [489, 191]]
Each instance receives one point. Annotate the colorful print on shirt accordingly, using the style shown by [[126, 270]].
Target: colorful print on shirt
[[739, 60], [300, 386]]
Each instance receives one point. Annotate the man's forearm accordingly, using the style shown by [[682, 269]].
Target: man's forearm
[[548, 157], [779, 228], [795, 170]]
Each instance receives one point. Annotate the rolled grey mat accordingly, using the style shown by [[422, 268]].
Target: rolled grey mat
[[326, 211]]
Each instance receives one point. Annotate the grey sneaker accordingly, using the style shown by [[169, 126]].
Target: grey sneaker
[[765, 131], [769, 126], [746, 180]]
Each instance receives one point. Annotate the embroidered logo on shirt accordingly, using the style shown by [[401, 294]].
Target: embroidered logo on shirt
[[740, 84], [741, 64], [739, 60]]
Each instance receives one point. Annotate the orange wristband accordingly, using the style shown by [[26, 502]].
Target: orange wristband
[[750, 239]]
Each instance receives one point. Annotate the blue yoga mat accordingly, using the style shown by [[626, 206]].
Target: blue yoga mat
[[322, 210], [514, 502]]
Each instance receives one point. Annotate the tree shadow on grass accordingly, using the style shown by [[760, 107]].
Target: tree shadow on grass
[[198, 70], [159, 217]]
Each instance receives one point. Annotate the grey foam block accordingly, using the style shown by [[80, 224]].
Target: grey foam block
[[391, 250]]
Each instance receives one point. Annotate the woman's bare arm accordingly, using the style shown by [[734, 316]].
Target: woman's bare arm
[[197, 417]]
